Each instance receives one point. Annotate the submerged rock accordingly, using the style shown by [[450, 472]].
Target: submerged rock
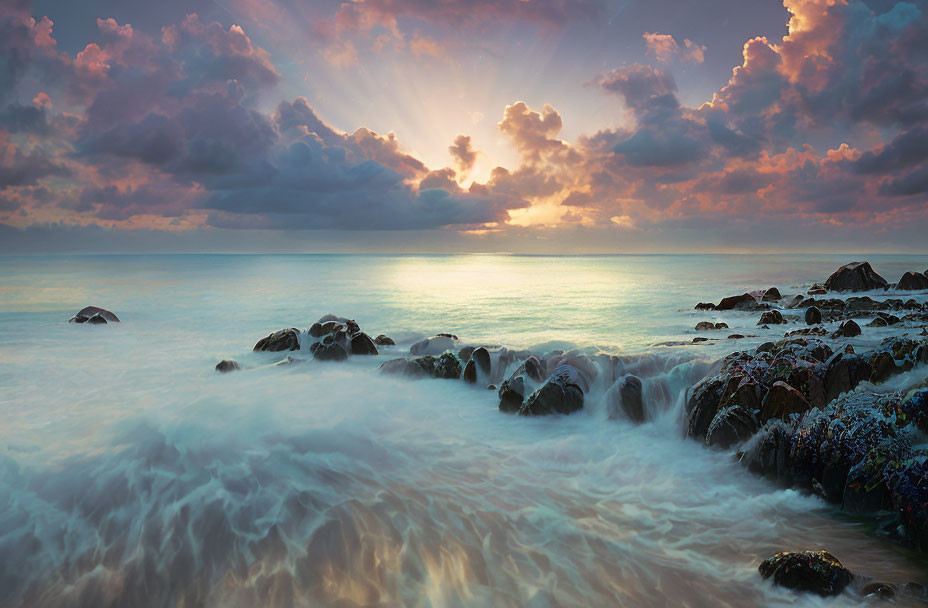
[[435, 345], [817, 290], [815, 571], [478, 365], [94, 315], [285, 339], [912, 281], [626, 397], [227, 365], [856, 276]]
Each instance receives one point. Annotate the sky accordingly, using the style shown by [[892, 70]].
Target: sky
[[523, 126]]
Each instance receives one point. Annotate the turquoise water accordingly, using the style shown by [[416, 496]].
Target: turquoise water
[[132, 474]]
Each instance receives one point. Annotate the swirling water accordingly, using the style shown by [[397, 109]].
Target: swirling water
[[131, 474]]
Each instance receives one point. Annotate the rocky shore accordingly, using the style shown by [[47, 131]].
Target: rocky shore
[[806, 410]]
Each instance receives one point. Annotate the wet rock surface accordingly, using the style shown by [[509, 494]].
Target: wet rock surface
[[94, 315], [285, 339], [856, 276], [818, 572]]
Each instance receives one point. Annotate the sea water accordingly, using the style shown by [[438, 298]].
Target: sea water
[[133, 474]]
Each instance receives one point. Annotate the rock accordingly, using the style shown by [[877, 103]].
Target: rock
[[857, 276], [90, 312], [878, 590], [560, 394], [772, 317], [912, 281], [843, 372], [699, 339], [702, 406], [781, 401], [883, 366], [332, 351], [705, 326], [448, 366], [512, 391], [435, 345], [735, 337], [732, 425], [705, 306], [625, 398], [285, 339], [848, 329], [772, 295], [478, 365], [815, 571], [227, 365], [383, 340], [491, 387], [817, 290], [361, 344], [744, 301], [813, 315]]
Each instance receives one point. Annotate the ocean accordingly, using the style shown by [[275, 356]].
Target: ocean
[[133, 474]]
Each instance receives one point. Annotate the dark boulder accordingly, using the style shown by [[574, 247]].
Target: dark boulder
[[705, 306], [626, 396], [560, 394], [361, 344], [857, 276], [781, 401], [771, 317], [702, 406], [848, 329], [815, 571], [95, 315], [813, 315], [333, 351], [744, 301], [883, 366], [843, 372], [512, 391], [324, 328], [478, 365], [732, 425], [383, 340], [227, 365], [913, 281], [285, 339], [446, 366], [772, 295]]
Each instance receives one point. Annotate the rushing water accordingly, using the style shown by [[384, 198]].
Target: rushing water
[[132, 474]]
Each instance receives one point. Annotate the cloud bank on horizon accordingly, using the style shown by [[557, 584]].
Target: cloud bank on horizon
[[818, 138]]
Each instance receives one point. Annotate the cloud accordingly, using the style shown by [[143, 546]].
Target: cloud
[[463, 153], [664, 48]]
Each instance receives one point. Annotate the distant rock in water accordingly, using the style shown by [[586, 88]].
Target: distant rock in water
[[447, 366], [361, 344], [331, 351], [383, 340], [772, 317], [745, 301], [848, 329], [227, 365], [285, 339], [817, 290], [913, 281], [857, 276], [772, 295], [478, 365], [705, 306], [813, 315], [435, 345], [710, 326], [94, 315], [815, 571]]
